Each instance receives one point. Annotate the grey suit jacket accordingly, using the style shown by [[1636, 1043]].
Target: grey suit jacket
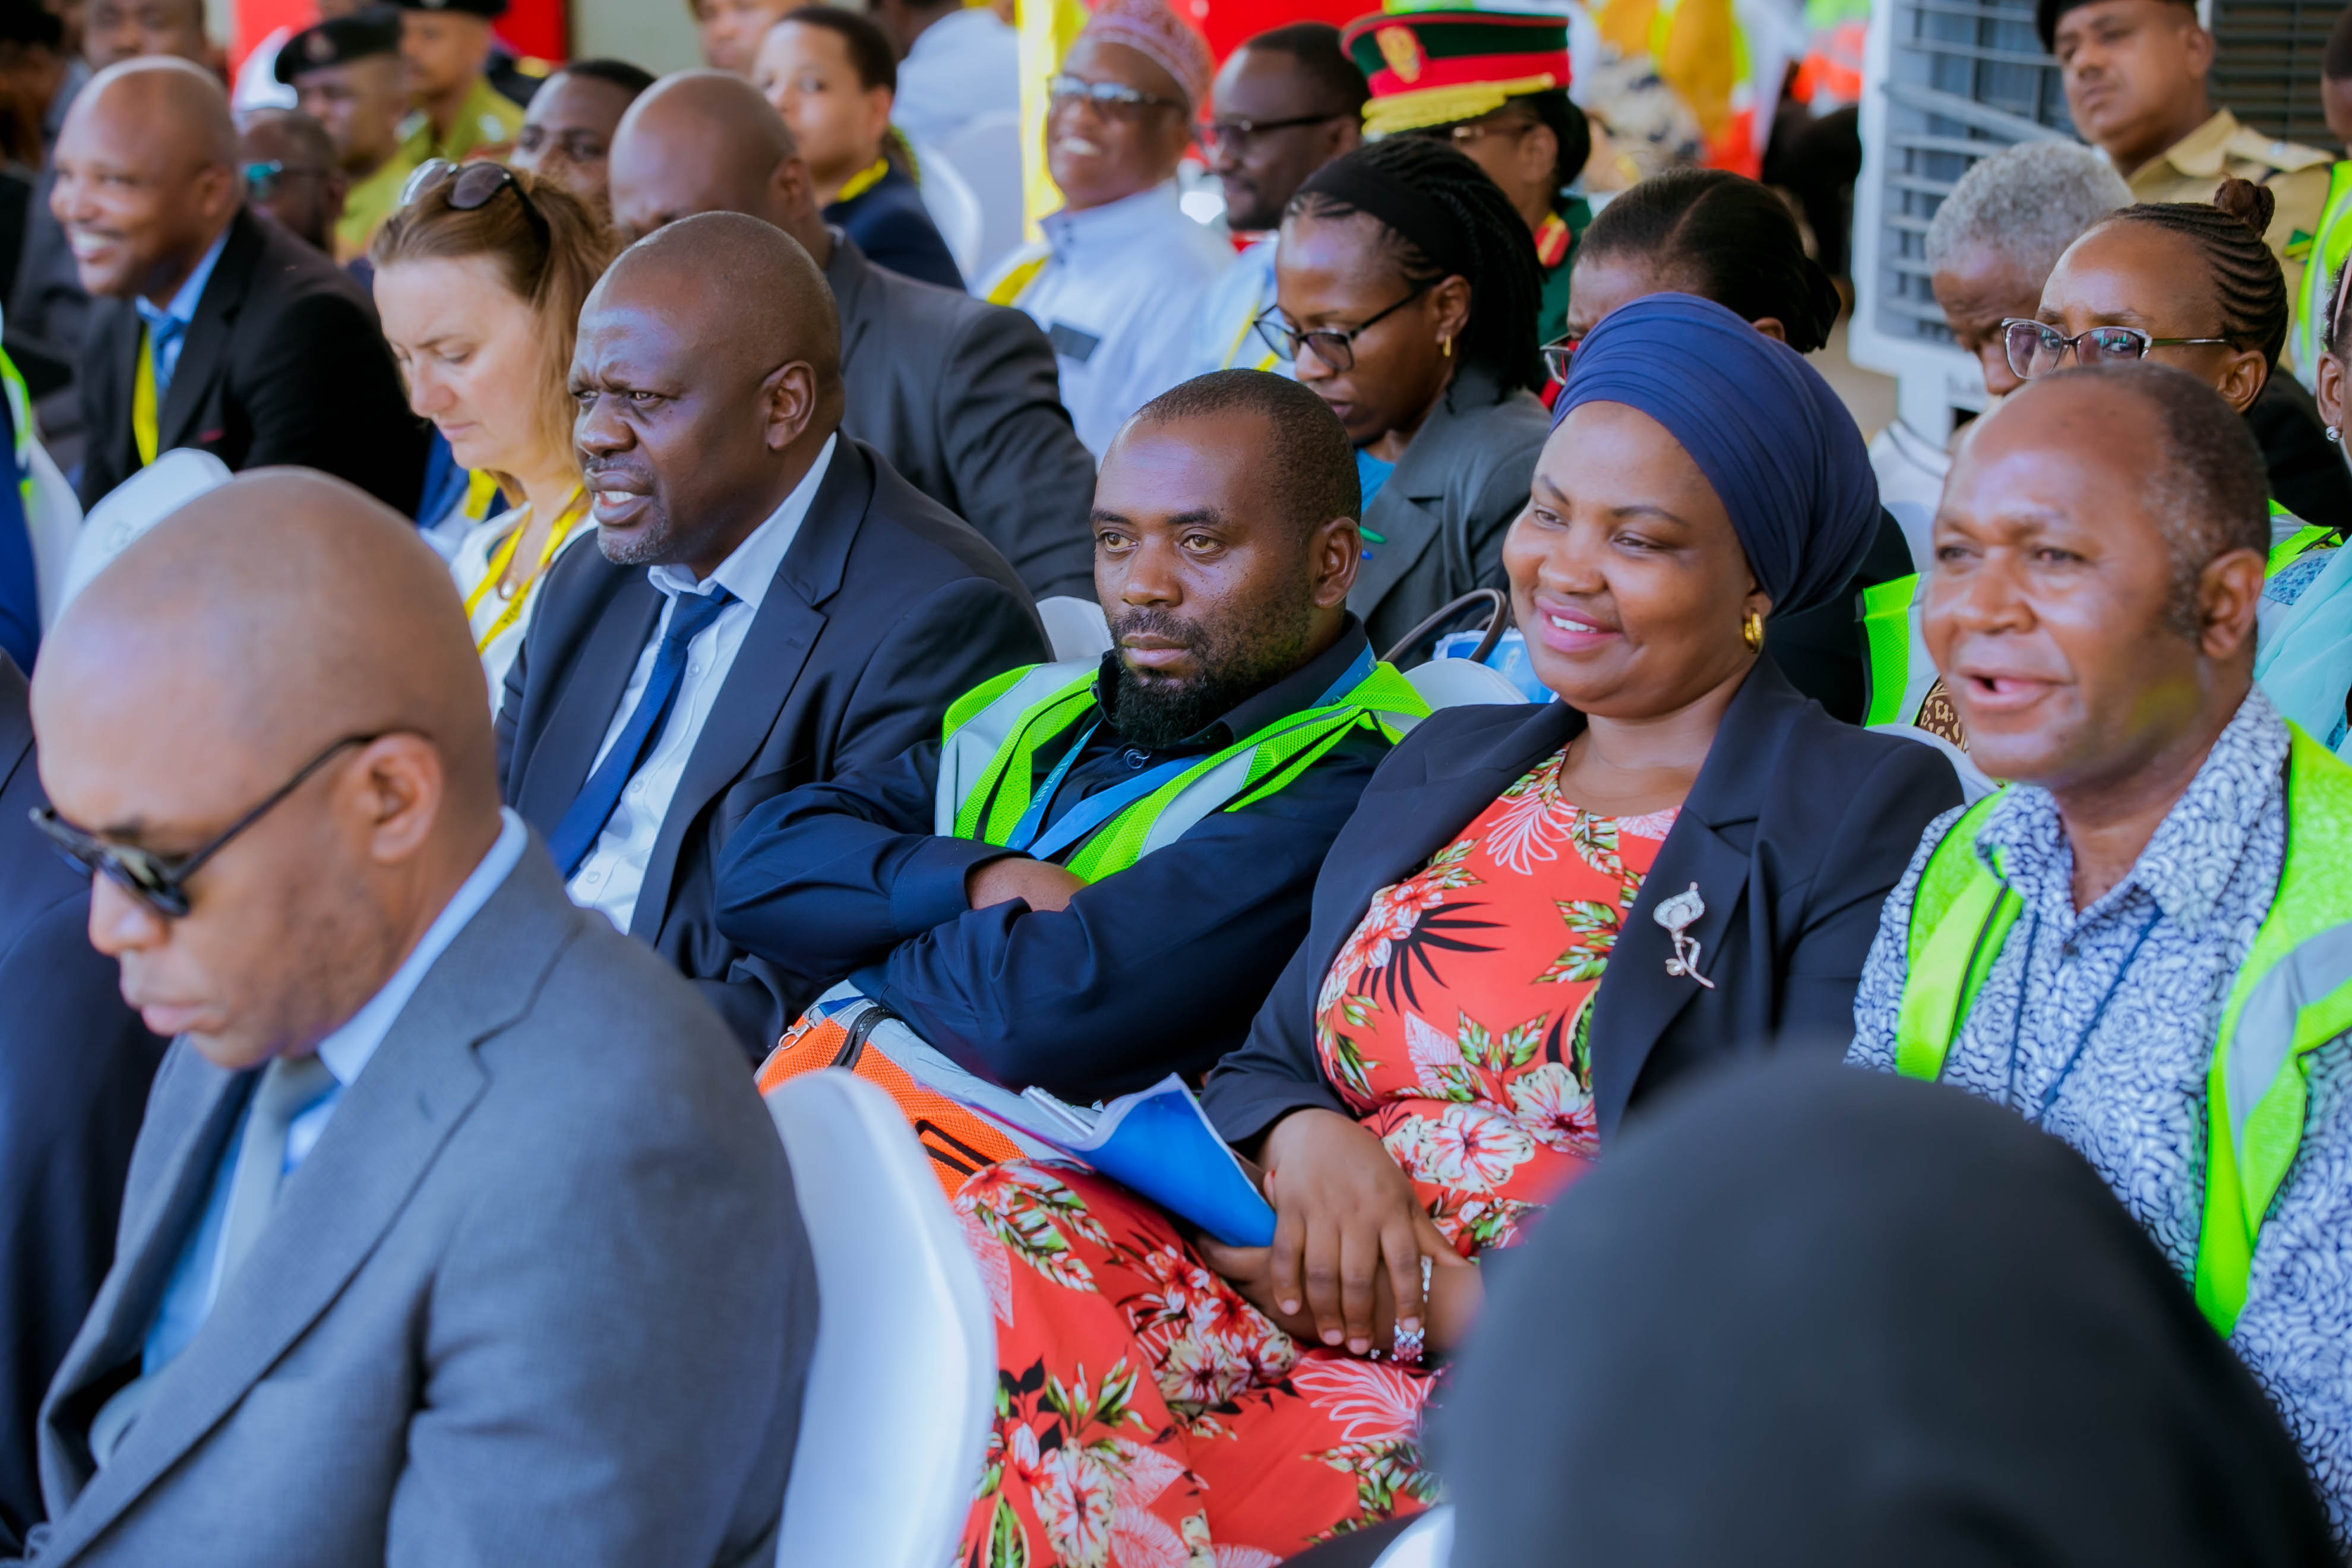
[[539, 1295], [1443, 514], [962, 397]]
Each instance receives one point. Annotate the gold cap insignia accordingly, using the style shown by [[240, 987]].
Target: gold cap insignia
[[1402, 50]]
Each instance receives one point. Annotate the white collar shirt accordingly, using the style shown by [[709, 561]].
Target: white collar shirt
[[963, 66], [1227, 337], [610, 878], [1115, 278]]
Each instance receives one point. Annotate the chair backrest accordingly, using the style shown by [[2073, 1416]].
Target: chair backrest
[[903, 1385], [1975, 783], [1427, 1543], [954, 207], [53, 522], [1461, 683], [1076, 627], [134, 507], [986, 151]]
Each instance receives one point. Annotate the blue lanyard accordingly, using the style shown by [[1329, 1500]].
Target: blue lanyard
[[2017, 1023], [1100, 807]]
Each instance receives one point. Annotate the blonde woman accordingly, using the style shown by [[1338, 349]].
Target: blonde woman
[[479, 277]]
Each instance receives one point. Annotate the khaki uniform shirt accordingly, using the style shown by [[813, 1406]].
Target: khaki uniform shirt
[[2222, 148], [371, 201], [487, 125]]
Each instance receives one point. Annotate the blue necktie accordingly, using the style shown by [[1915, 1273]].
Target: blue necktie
[[577, 833], [161, 335]]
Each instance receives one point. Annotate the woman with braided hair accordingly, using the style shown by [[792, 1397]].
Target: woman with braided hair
[[2191, 284], [1406, 292]]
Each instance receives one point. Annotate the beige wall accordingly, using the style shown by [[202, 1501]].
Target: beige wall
[[656, 33]]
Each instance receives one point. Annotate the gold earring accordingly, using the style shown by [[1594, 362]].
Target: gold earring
[[1751, 631], [1446, 347]]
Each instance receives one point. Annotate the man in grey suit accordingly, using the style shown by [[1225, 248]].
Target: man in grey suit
[[456, 1233], [960, 396]]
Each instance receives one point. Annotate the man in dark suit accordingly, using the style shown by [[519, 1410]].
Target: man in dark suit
[[74, 1068], [959, 396], [770, 604], [213, 327]]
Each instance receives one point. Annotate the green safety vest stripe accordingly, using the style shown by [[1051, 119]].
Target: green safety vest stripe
[[20, 413], [2329, 248], [985, 795], [2291, 995]]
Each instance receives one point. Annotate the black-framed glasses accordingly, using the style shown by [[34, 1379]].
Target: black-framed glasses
[[263, 178], [1333, 346], [1238, 135], [473, 186], [160, 881], [1112, 99], [1559, 356], [2035, 348]]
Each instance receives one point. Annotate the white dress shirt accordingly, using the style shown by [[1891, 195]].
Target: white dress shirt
[[1117, 291], [963, 66], [609, 879], [1227, 337]]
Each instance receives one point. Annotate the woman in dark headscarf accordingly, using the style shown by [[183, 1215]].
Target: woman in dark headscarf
[[1537, 917], [1406, 294], [1828, 1320]]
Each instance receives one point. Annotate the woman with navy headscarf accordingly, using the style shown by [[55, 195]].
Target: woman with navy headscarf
[[1537, 921]]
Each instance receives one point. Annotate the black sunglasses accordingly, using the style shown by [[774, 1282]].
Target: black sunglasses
[[160, 881], [473, 186], [1333, 346]]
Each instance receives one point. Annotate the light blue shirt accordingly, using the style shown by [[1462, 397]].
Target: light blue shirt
[[196, 1279], [1224, 338], [167, 328], [963, 66]]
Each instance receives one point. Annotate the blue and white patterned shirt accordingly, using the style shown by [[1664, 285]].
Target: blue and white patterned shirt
[[2133, 1102]]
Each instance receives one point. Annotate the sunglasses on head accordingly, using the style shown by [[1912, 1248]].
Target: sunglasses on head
[[473, 186], [160, 881]]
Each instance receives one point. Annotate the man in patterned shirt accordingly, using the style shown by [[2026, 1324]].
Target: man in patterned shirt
[[2092, 947]]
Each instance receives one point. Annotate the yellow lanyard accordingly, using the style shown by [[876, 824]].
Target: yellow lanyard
[[503, 556], [865, 179], [142, 400]]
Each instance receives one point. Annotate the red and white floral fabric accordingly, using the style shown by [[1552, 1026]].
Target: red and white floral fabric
[[1148, 1415]]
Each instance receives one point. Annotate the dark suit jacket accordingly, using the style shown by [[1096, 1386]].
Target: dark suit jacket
[[892, 226], [284, 363], [962, 397], [886, 610], [1795, 831], [1442, 516], [74, 1068]]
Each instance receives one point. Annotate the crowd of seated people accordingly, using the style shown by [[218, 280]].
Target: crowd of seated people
[[594, 612]]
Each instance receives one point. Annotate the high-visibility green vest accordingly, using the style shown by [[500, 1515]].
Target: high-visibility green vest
[[2329, 248], [20, 413], [2291, 995], [1895, 646], [994, 731]]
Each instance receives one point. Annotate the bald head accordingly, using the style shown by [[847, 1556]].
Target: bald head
[[146, 176], [707, 377], [706, 142], [239, 639]]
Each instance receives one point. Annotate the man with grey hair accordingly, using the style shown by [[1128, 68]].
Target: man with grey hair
[[2000, 231]]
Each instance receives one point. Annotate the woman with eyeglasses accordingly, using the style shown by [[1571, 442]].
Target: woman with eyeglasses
[[1722, 238], [1405, 297], [479, 279], [2192, 284], [1540, 922]]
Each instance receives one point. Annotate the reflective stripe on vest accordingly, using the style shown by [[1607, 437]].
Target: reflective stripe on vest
[[2291, 995], [2329, 248], [993, 734], [2302, 537], [20, 411]]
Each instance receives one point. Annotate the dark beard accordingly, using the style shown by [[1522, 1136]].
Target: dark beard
[[1238, 660]]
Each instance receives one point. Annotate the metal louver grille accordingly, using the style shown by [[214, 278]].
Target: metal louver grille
[[1964, 78], [2266, 69]]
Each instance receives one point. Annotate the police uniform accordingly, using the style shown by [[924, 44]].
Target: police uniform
[[1436, 70], [340, 42], [2192, 168], [488, 122]]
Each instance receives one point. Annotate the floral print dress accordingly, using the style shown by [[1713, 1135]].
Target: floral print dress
[[1147, 1413]]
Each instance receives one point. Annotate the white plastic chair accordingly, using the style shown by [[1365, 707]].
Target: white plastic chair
[[954, 207], [1462, 683], [1427, 1543], [903, 1385], [1075, 627], [134, 507], [1975, 783], [986, 151]]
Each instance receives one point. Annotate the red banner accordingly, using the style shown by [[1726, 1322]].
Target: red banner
[[530, 26]]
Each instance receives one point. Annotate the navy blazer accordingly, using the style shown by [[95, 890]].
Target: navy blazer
[[891, 226], [75, 1063], [1795, 831], [886, 609]]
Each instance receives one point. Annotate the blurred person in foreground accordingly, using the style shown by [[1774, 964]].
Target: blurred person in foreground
[[214, 329], [2010, 1375], [396, 1282], [769, 604], [2144, 945], [1539, 920], [958, 396], [1121, 269]]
